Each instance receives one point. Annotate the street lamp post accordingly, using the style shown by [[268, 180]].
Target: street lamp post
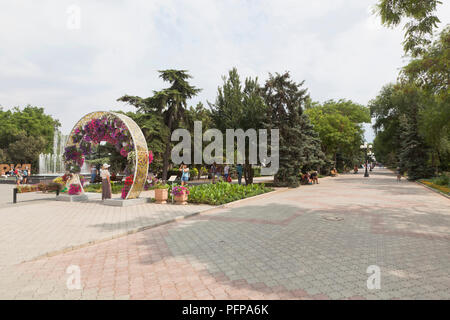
[[367, 148]]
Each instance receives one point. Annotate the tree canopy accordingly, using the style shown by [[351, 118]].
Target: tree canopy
[[339, 124], [421, 20], [299, 146], [239, 106], [25, 133], [412, 116], [171, 102]]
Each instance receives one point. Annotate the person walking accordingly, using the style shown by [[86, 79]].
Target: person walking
[[25, 175], [399, 174], [213, 172], [93, 173], [239, 172], [106, 182], [315, 177], [226, 172], [19, 177], [184, 174]]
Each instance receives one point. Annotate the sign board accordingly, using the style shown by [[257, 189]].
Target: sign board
[[8, 167], [172, 178]]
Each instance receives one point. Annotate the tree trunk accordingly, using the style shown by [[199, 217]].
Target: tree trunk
[[166, 154], [199, 168], [248, 173]]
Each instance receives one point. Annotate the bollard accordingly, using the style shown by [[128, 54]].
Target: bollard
[[15, 195], [57, 191]]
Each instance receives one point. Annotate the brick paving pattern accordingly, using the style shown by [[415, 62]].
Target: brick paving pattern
[[314, 242]]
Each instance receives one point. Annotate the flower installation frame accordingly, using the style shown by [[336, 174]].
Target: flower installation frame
[[120, 131]]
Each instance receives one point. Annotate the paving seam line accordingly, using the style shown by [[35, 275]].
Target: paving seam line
[[140, 229]]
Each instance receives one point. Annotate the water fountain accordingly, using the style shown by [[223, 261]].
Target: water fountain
[[53, 164]]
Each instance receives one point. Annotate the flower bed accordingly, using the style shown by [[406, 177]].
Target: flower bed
[[42, 187], [443, 189], [223, 192]]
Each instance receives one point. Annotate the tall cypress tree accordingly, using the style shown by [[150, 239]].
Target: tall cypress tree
[[312, 155], [414, 152], [298, 143]]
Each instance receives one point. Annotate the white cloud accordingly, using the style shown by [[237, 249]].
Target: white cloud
[[337, 46]]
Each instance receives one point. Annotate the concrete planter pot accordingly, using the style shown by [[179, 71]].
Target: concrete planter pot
[[181, 199], [161, 196]]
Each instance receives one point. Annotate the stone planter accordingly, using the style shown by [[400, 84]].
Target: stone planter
[[181, 199], [161, 196]]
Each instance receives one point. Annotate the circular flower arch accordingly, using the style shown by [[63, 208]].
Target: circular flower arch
[[121, 132]]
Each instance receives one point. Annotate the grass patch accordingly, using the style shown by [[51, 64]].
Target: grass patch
[[223, 192]]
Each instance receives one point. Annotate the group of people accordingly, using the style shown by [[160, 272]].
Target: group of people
[[20, 175], [216, 171], [310, 178]]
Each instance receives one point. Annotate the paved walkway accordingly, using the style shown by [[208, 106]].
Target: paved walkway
[[36, 227], [314, 242]]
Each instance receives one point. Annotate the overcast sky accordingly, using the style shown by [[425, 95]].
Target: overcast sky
[[337, 46]]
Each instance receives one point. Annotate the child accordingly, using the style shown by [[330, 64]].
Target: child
[[184, 175]]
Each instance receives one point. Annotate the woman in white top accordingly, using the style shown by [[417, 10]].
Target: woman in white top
[[106, 182]]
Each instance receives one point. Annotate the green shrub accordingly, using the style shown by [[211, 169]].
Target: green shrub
[[193, 173], [204, 171], [160, 185], [97, 187], [256, 171], [223, 192], [443, 180]]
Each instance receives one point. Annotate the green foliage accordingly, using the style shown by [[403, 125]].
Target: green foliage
[[223, 192], [24, 134], [26, 149], [421, 20], [239, 106], [160, 185], [155, 131], [413, 154], [197, 113], [170, 102], [417, 108], [443, 180], [99, 161], [299, 144], [3, 156], [193, 173], [116, 188], [339, 124]]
